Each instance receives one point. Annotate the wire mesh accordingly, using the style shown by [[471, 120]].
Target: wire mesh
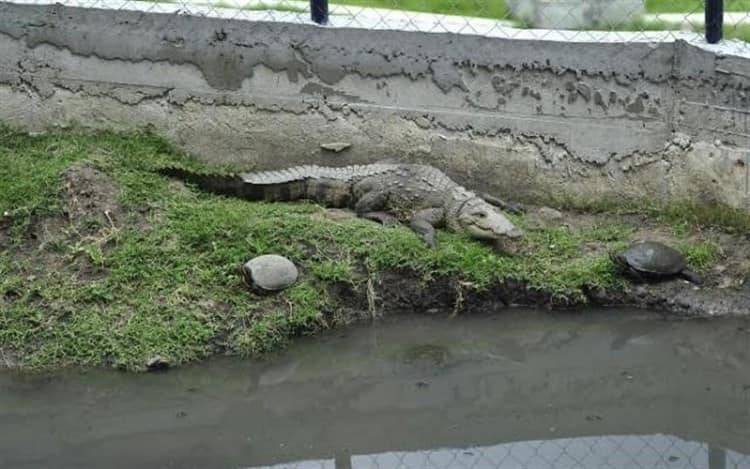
[[657, 451], [566, 20]]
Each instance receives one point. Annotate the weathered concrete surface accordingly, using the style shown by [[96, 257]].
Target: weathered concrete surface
[[527, 119]]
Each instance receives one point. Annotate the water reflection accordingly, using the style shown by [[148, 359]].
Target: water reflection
[[510, 391], [599, 452]]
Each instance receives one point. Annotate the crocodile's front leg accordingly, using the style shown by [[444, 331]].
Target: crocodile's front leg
[[424, 221]]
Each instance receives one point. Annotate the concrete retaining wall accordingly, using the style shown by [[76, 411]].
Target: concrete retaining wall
[[527, 119]]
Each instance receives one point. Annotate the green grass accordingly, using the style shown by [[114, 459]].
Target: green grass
[[498, 9], [740, 31], [479, 8], [701, 255], [638, 25], [166, 283], [692, 6], [261, 6]]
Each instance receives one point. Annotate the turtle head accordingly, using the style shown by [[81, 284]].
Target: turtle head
[[618, 259], [247, 277], [481, 220]]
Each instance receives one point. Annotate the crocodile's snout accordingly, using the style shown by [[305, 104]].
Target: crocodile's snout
[[501, 227], [480, 220]]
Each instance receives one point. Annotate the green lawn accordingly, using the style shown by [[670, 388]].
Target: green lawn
[[498, 9], [480, 8], [740, 31], [692, 6]]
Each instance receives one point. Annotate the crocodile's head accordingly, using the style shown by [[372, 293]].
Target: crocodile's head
[[481, 220]]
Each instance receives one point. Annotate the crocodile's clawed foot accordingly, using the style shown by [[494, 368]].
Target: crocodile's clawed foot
[[431, 240], [383, 218]]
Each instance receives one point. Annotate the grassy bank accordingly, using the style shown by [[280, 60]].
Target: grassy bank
[[156, 275]]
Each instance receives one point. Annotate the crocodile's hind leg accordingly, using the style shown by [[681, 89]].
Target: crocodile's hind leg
[[424, 221], [371, 205], [385, 219]]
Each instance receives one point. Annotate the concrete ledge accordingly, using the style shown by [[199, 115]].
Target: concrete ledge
[[530, 119]]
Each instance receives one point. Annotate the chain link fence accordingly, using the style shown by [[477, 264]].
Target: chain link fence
[[600, 452], [566, 20]]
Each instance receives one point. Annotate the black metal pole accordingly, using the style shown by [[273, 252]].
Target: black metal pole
[[714, 20], [319, 11]]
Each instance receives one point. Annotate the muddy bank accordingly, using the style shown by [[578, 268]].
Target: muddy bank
[[402, 293]]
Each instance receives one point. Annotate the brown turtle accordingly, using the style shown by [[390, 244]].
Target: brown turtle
[[653, 260]]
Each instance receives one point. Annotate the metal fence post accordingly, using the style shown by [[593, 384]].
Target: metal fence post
[[714, 20], [319, 11]]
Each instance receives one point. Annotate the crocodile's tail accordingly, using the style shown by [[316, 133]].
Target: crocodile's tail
[[249, 186], [224, 184]]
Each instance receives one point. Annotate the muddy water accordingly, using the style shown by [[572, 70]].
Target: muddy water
[[618, 389]]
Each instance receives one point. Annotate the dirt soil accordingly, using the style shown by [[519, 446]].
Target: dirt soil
[[90, 215]]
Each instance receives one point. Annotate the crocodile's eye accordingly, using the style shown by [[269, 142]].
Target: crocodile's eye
[[479, 214]]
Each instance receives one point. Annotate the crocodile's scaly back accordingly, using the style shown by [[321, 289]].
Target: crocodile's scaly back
[[331, 186], [299, 173]]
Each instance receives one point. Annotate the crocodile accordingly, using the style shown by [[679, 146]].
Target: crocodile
[[389, 193]]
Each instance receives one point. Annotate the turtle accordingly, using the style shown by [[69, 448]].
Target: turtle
[[653, 260], [269, 272]]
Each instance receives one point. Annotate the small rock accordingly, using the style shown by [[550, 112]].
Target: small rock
[[269, 272], [335, 146], [584, 90], [549, 214], [423, 122], [729, 282], [423, 150], [681, 140], [157, 363]]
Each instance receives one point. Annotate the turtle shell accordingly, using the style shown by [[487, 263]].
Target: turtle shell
[[269, 272], [652, 257]]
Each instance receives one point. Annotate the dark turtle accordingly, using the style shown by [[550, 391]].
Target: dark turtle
[[654, 260]]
